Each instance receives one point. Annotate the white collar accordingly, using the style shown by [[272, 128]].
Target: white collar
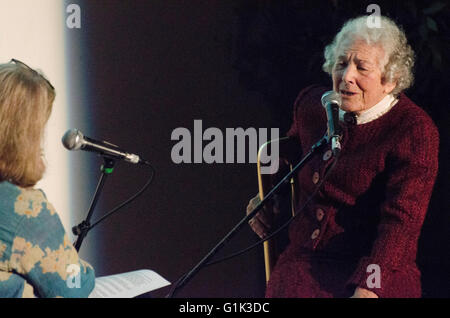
[[374, 112]]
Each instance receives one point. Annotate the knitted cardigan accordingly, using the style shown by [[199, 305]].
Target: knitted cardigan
[[363, 225]]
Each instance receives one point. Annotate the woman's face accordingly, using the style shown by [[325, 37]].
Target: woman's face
[[357, 76]]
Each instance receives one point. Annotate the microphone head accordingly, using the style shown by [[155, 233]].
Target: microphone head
[[73, 139], [331, 97]]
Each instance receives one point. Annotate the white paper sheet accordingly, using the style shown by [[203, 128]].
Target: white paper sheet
[[128, 285]]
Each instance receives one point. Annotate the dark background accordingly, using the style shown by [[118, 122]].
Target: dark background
[[152, 66]]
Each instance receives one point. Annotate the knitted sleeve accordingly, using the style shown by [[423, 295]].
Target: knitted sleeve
[[412, 165]]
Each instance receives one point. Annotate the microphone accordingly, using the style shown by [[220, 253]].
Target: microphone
[[331, 101], [74, 139]]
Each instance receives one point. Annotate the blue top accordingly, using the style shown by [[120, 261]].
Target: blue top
[[36, 257]]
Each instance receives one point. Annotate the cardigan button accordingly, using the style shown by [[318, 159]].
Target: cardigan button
[[315, 177], [319, 214], [315, 234], [327, 155]]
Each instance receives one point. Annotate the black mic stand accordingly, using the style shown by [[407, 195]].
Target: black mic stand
[[82, 229], [249, 216]]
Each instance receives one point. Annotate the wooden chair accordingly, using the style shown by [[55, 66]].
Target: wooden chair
[[288, 152]]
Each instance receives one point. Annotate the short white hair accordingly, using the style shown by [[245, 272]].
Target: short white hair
[[397, 66]]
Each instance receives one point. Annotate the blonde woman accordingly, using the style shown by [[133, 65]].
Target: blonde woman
[[36, 257]]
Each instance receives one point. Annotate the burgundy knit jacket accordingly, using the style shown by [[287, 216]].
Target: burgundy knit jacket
[[369, 210]]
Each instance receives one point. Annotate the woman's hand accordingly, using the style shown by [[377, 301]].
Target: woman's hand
[[262, 221], [363, 293]]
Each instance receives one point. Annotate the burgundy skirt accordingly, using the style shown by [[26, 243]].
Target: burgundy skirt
[[303, 275]]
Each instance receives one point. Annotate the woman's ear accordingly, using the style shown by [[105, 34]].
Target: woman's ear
[[389, 87]]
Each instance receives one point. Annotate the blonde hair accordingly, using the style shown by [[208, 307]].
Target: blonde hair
[[26, 99], [398, 63]]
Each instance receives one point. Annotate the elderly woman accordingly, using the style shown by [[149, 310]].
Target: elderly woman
[[36, 256], [358, 236]]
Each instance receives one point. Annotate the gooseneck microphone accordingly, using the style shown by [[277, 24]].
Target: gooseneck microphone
[[331, 101], [74, 139]]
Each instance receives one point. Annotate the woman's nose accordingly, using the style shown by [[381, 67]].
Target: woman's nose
[[349, 74]]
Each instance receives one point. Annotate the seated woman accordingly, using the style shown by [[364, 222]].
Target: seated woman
[[359, 234], [36, 257]]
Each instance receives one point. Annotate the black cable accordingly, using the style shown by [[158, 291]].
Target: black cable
[[132, 198], [282, 227], [175, 285]]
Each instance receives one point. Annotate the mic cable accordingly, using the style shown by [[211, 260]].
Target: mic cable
[[129, 200]]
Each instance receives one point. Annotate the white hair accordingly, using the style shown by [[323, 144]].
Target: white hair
[[399, 57]]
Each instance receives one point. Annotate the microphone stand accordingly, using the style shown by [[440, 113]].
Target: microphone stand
[[324, 140], [82, 229]]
